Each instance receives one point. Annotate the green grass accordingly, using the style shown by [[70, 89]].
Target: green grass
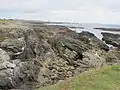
[[106, 78]]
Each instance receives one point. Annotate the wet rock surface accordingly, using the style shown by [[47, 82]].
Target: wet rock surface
[[112, 39], [41, 55]]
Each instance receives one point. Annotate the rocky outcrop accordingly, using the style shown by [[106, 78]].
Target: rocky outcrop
[[14, 47], [113, 56], [18, 67], [44, 55], [93, 40], [73, 54], [12, 73], [88, 38], [6, 70], [112, 39]]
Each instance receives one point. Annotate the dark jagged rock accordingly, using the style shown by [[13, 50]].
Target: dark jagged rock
[[88, 38], [68, 48], [112, 39], [93, 40]]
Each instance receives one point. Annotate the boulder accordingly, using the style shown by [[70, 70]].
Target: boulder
[[94, 58], [6, 70], [14, 47], [13, 73]]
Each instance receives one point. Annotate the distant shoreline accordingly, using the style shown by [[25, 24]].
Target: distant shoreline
[[109, 29]]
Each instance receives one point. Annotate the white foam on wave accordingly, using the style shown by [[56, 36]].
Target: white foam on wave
[[96, 32], [89, 27]]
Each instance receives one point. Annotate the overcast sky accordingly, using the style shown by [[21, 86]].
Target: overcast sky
[[94, 11]]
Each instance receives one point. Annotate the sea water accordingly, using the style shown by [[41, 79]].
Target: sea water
[[90, 28]]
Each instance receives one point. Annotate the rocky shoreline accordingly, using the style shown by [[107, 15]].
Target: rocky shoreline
[[112, 39], [109, 29], [40, 55]]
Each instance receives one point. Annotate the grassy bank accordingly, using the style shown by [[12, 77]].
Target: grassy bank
[[107, 78]]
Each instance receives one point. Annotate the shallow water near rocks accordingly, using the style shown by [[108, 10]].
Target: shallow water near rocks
[[89, 27]]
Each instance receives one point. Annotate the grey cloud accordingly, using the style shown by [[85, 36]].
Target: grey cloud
[[71, 10], [38, 5]]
